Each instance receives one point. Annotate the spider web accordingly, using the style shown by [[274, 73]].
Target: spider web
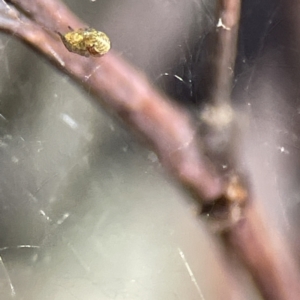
[[86, 212]]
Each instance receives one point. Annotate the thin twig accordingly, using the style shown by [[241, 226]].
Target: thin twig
[[217, 115], [226, 47], [261, 249], [266, 255]]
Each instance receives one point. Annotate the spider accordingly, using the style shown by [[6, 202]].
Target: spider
[[86, 42]]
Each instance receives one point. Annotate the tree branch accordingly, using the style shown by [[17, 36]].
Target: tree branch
[[122, 90]]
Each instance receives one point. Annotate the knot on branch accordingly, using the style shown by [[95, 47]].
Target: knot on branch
[[227, 210]]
